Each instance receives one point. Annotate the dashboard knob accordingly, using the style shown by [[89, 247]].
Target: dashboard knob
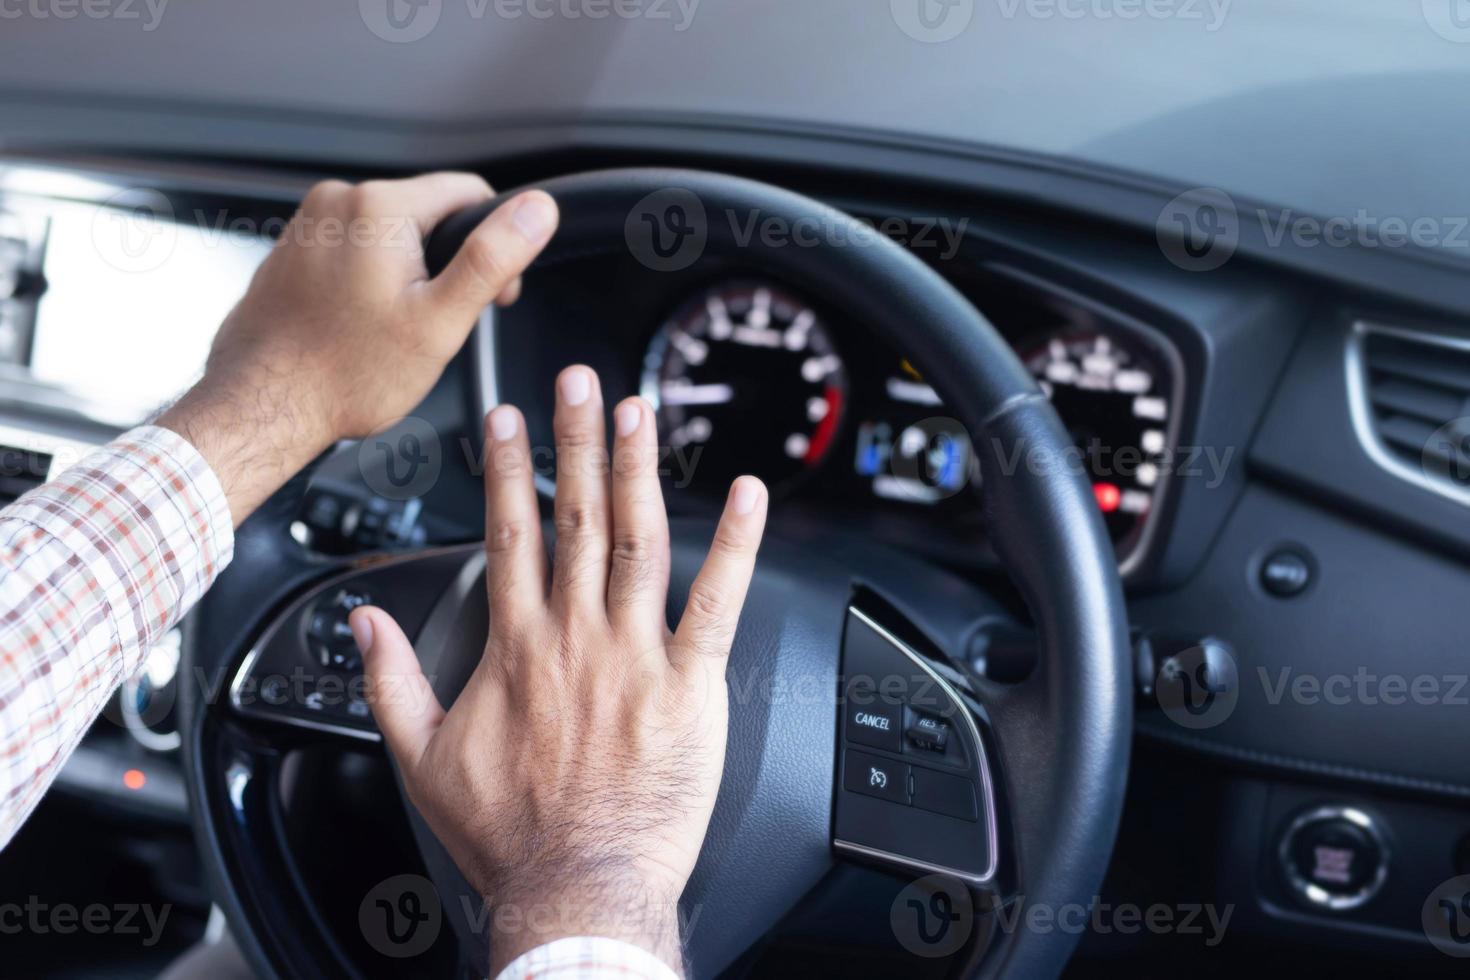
[[1286, 572]]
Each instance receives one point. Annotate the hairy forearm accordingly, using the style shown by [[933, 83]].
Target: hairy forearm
[[256, 429]]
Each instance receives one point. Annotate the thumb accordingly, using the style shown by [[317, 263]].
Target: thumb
[[494, 255], [402, 699]]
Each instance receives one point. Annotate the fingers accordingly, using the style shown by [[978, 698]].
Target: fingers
[[403, 702], [579, 572], [430, 198], [510, 293], [494, 255], [515, 559], [709, 621], [638, 582]]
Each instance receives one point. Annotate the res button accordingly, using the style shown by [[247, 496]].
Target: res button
[[872, 721], [928, 733]]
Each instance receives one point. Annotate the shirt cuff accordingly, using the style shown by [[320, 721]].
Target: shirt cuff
[[588, 958]]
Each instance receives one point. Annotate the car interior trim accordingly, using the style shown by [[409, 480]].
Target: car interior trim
[[987, 787], [1164, 731], [1355, 361], [487, 384], [291, 610], [243, 674]]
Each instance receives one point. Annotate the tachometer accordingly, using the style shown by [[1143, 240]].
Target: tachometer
[[745, 379], [1113, 394]]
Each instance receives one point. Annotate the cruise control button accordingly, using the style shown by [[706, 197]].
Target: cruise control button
[[874, 776], [873, 721], [952, 796], [929, 733]]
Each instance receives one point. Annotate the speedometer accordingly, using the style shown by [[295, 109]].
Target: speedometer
[[745, 379], [1112, 392]]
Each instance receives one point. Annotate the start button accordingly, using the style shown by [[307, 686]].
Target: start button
[[1334, 858]]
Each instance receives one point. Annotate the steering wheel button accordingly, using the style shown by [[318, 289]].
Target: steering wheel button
[[873, 721], [953, 796], [928, 733], [343, 658], [328, 634], [875, 776]]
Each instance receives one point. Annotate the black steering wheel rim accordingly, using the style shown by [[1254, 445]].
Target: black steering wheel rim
[[1062, 736]]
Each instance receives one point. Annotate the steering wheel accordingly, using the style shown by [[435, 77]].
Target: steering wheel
[[861, 729]]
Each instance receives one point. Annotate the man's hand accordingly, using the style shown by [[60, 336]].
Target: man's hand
[[574, 777], [342, 332]]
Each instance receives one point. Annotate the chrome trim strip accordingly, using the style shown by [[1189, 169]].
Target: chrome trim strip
[[982, 759], [486, 366], [289, 721], [1144, 547], [444, 617], [485, 363], [304, 599], [94, 181], [1361, 410], [914, 864]]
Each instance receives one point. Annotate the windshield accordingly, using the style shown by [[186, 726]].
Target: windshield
[[1348, 109]]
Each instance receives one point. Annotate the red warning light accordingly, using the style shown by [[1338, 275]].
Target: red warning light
[[1108, 496], [134, 779]]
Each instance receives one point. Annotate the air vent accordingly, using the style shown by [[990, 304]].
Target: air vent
[[1411, 404], [29, 458], [21, 470]]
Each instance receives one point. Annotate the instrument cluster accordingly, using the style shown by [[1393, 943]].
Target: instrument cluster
[[750, 376]]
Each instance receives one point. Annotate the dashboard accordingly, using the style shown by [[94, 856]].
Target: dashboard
[[1231, 425]]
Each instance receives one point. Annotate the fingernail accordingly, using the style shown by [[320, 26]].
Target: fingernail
[[535, 216], [503, 423], [627, 417], [576, 385], [747, 495], [362, 631]]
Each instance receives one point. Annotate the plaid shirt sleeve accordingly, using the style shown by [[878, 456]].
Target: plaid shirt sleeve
[[95, 567], [587, 958]]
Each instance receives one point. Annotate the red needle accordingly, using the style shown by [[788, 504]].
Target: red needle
[[827, 428]]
